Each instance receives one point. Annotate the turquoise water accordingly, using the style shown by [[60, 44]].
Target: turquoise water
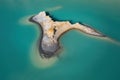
[[83, 57]]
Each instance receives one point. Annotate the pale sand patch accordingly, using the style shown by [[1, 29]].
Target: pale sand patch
[[40, 62], [53, 8], [25, 20]]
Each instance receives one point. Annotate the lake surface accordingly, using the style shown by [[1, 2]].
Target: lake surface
[[82, 57]]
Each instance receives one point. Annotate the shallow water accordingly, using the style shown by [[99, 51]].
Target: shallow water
[[83, 57]]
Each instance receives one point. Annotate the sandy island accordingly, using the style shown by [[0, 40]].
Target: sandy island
[[52, 30]]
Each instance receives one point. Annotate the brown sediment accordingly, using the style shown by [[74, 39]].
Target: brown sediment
[[52, 31]]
